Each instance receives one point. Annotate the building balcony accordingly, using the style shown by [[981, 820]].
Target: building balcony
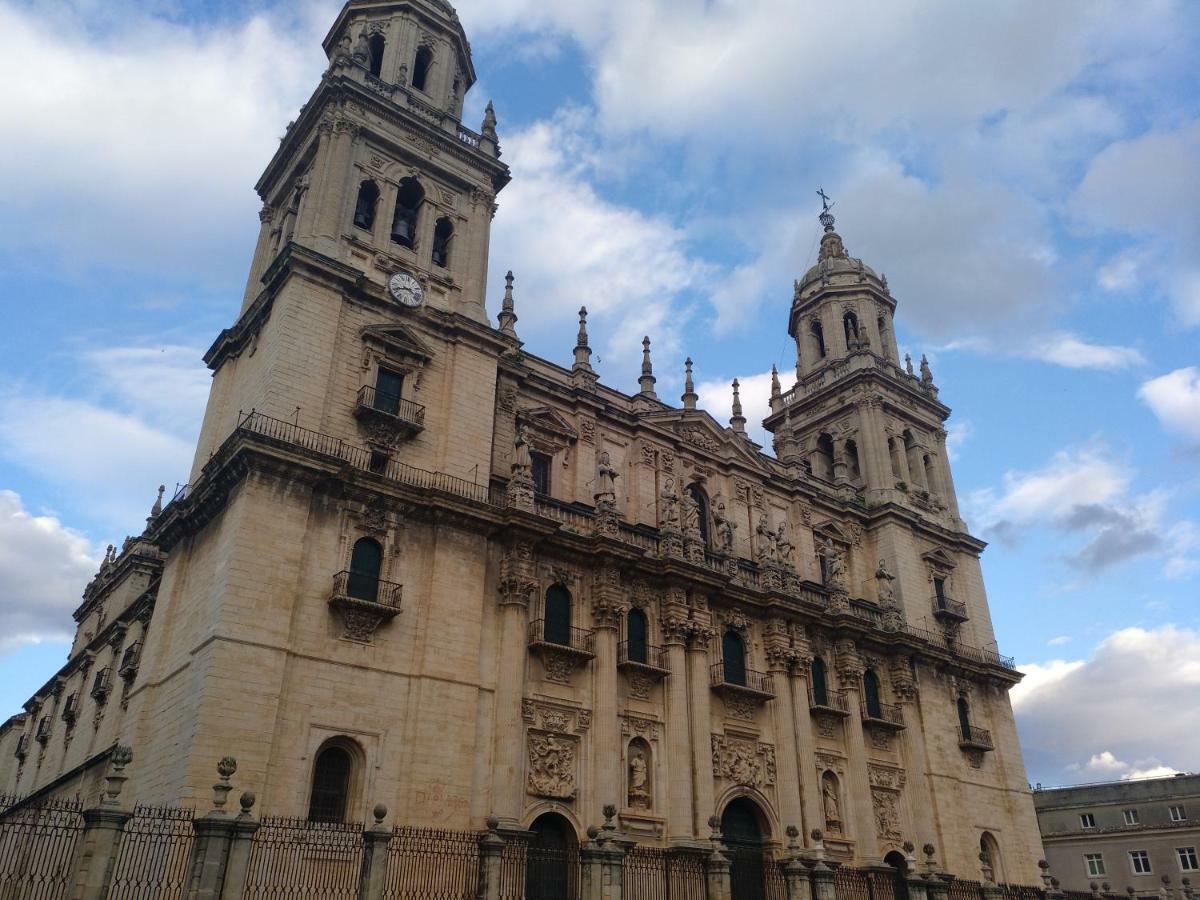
[[387, 419], [725, 679], [70, 710], [365, 602], [643, 658], [883, 715], [43, 730], [102, 685], [978, 739], [22, 747], [561, 649], [130, 660], [949, 611], [829, 702]]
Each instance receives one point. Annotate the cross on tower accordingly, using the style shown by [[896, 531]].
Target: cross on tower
[[824, 199]]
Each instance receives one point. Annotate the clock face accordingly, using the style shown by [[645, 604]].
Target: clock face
[[406, 290]]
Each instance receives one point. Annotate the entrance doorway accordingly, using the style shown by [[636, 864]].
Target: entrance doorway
[[744, 837], [552, 862], [896, 860]]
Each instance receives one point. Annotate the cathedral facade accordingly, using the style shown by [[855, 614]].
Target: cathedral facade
[[419, 566]]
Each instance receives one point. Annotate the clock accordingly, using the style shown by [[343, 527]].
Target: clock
[[406, 290]]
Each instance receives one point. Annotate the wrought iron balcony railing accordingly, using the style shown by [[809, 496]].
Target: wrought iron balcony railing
[[130, 659], [22, 746], [887, 715], [367, 589], [70, 710], [643, 656], [549, 634], [406, 411], [43, 730], [973, 738], [739, 679], [828, 701], [947, 610], [102, 684]]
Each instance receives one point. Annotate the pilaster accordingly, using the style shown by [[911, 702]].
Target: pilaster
[[607, 610], [701, 720], [859, 786], [680, 820], [517, 587]]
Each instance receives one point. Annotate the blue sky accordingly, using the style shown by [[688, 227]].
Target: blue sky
[[1027, 175]]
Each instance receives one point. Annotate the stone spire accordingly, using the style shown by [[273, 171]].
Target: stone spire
[[508, 317], [689, 397], [583, 353], [157, 508], [646, 382], [776, 389], [737, 421], [489, 141]]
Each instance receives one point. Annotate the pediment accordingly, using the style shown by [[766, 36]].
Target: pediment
[[833, 531], [699, 430], [397, 341], [545, 420], [938, 558]]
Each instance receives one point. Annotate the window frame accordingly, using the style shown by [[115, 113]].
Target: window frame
[[347, 790], [1135, 856], [1131, 816], [1177, 813], [1087, 820], [1187, 854], [1099, 870], [543, 462]]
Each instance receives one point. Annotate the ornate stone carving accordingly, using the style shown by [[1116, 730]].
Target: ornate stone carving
[[551, 766], [559, 665], [640, 793], [554, 718], [827, 725], [667, 459], [647, 455], [587, 430], [639, 726], [518, 581], [741, 707], [975, 759], [886, 777], [699, 438], [741, 491], [508, 399], [640, 685], [887, 814], [881, 738], [743, 762], [849, 664]]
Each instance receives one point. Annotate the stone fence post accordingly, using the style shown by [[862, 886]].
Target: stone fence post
[[214, 834], [795, 874], [602, 861], [375, 857], [716, 866], [491, 861], [238, 861], [96, 852], [823, 874]]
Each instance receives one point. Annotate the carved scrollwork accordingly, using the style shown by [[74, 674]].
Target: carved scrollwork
[[742, 761]]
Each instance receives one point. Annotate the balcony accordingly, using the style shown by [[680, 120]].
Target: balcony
[[365, 602], [561, 649], [828, 702], [883, 715], [43, 730], [949, 611], [977, 739], [643, 658], [387, 419], [22, 747], [741, 682], [102, 685], [70, 710], [130, 660]]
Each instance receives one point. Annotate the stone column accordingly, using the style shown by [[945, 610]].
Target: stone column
[[717, 866], [823, 879], [607, 610], [680, 822], [214, 835], [258, 265], [872, 447], [329, 198], [779, 662], [806, 749], [949, 495], [491, 856], [237, 866], [375, 857], [701, 704], [97, 848], [483, 205], [916, 764], [517, 587], [795, 875], [858, 788], [602, 861]]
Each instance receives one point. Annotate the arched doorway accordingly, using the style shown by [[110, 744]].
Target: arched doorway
[[552, 863], [896, 860], [744, 838]]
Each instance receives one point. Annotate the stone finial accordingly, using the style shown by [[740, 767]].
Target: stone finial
[[583, 353], [776, 388], [793, 836], [225, 769], [737, 421], [689, 397], [647, 379], [714, 827], [610, 813], [157, 508], [246, 802], [488, 128], [508, 316], [926, 372], [380, 813], [120, 757], [908, 366]]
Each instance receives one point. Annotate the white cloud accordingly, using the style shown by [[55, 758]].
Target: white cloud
[[1121, 704], [1122, 272], [1073, 352], [44, 567], [1175, 399], [1074, 478], [1060, 640]]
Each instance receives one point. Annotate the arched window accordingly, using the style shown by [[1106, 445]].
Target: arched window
[[964, 718], [989, 855], [557, 625], [852, 461], [364, 208], [850, 324], [636, 636], [697, 493], [409, 198], [421, 68], [443, 234], [733, 654], [823, 458], [820, 686], [377, 44], [330, 794], [894, 452], [871, 695], [818, 337], [365, 564]]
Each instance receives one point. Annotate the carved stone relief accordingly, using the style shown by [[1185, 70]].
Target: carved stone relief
[[827, 725], [743, 762], [740, 707], [887, 814], [640, 685], [638, 726], [555, 718], [552, 762]]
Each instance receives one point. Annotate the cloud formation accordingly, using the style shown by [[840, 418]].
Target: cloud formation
[[1175, 399], [1117, 714]]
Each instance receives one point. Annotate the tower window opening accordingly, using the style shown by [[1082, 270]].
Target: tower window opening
[[871, 694], [422, 67], [409, 198], [557, 624], [818, 336], [820, 686], [852, 461], [850, 324], [636, 632], [823, 458], [443, 235], [540, 470], [964, 718], [377, 44], [364, 208]]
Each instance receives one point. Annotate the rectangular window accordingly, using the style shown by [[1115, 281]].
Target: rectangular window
[[388, 385], [1187, 859], [1140, 860], [1178, 814], [939, 590], [541, 473], [1087, 820], [1131, 816], [1095, 865]]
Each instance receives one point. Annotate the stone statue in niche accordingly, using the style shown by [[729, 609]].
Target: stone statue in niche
[[783, 546], [887, 588], [670, 505], [767, 541], [606, 477], [691, 514], [639, 777], [835, 564], [832, 803], [522, 460], [724, 527]]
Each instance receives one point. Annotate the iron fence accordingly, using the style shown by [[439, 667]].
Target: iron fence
[[866, 884], [962, 889], [528, 872], [652, 873], [774, 884], [1021, 892], [37, 844], [152, 861], [432, 864], [325, 857]]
